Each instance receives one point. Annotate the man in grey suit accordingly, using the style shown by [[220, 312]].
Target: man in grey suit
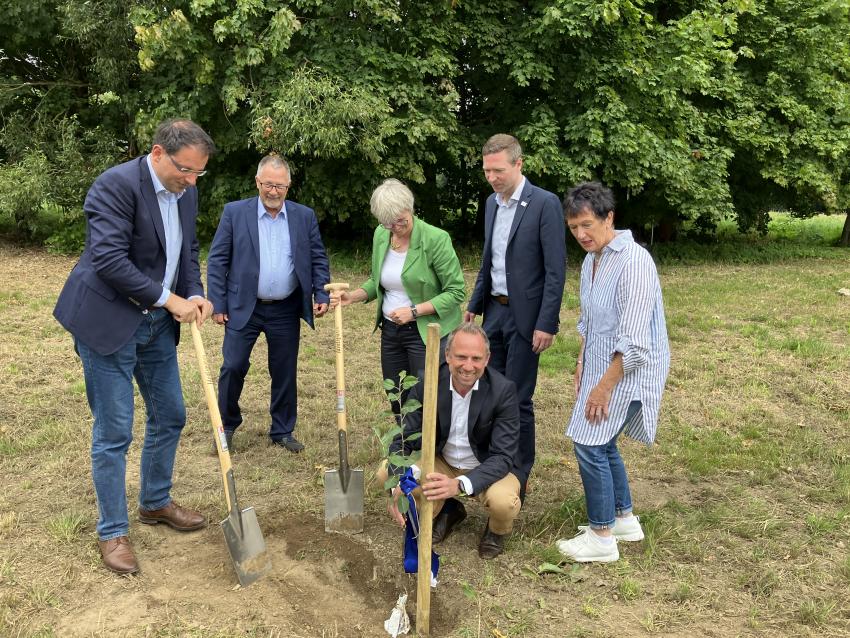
[[521, 280], [136, 281], [266, 271]]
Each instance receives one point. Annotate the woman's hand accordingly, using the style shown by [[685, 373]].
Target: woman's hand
[[596, 407], [346, 297], [401, 315]]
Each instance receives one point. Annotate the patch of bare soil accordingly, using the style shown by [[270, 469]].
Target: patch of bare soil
[[319, 585], [765, 560]]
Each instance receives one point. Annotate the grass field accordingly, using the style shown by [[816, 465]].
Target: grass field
[[745, 498]]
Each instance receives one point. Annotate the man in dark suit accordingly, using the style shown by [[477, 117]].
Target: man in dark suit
[[137, 278], [476, 443], [521, 280], [266, 266]]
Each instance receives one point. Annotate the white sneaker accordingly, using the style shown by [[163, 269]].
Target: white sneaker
[[625, 529], [587, 548]]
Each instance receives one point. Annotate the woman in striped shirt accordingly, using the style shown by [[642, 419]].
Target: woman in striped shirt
[[622, 365]]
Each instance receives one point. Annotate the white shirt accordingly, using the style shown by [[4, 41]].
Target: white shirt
[[457, 452], [395, 295], [505, 212]]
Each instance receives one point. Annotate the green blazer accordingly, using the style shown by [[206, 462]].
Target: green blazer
[[431, 273]]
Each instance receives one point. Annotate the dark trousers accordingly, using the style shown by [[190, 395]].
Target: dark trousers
[[281, 322], [402, 349], [511, 354]]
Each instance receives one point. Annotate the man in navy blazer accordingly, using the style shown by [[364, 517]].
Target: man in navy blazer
[[266, 266], [137, 279], [521, 280]]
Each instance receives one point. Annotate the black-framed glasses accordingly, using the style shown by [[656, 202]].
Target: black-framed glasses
[[185, 169], [268, 186], [401, 222]]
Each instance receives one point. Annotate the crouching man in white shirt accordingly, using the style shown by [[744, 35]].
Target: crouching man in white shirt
[[476, 443]]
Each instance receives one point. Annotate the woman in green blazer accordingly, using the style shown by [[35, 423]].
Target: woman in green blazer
[[416, 278]]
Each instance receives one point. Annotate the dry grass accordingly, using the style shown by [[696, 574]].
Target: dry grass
[[745, 499]]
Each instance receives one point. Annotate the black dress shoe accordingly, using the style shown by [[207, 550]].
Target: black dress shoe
[[446, 520], [292, 444], [491, 544]]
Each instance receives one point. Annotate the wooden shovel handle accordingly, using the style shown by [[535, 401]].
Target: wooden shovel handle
[[212, 405], [341, 423]]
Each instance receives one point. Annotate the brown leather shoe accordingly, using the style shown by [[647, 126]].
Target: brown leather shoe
[[445, 522], [118, 555], [179, 518], [491, 544]]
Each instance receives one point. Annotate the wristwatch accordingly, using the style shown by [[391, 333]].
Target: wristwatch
[[461, 488], [413, 310]]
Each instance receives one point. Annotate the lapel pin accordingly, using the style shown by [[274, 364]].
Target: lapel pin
[[523, 203]]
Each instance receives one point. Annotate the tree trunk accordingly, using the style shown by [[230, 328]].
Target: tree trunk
[[845, 234]]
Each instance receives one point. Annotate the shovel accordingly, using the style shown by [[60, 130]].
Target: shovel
[[241, 529], [343, 487]]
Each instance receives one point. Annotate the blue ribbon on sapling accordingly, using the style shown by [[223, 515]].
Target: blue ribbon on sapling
[[411, 530]]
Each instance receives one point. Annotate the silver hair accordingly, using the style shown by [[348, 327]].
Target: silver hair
[[391, 199], [469, 328], [274, 161]]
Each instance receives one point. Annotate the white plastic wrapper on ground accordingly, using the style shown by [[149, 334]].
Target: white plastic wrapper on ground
[[398, 624]]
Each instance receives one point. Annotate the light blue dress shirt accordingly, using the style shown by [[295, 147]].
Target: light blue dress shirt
[[622, 311], [173, 232], [277, 268], [501, 232]]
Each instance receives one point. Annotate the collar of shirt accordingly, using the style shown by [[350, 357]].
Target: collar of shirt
[[457, 394], [261, 210], [514, 196], [158, 188], [622, 238]]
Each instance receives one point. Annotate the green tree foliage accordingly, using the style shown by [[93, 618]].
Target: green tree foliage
[[790, 123], [349, 91], [691, 110], [67, 103]]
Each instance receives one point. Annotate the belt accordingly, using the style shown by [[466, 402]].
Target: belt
[[502, 299], [268, 302]]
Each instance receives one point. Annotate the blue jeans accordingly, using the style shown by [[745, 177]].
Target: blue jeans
[[603, 475], [151, 357]]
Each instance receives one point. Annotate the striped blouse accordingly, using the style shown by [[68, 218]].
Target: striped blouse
[[622, 311]]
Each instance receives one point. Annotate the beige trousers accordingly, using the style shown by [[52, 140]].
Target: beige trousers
[[501, 499]]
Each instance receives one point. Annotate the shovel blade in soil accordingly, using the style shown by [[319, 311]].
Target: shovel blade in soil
[[246, 545], [344, 507]]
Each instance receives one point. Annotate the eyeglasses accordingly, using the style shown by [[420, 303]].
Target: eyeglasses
[[185, 170], [401, 222], [268, 186]]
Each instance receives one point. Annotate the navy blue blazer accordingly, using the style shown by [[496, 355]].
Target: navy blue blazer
[[119, 275], [493, 426], [536, 261], [233, 265]]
